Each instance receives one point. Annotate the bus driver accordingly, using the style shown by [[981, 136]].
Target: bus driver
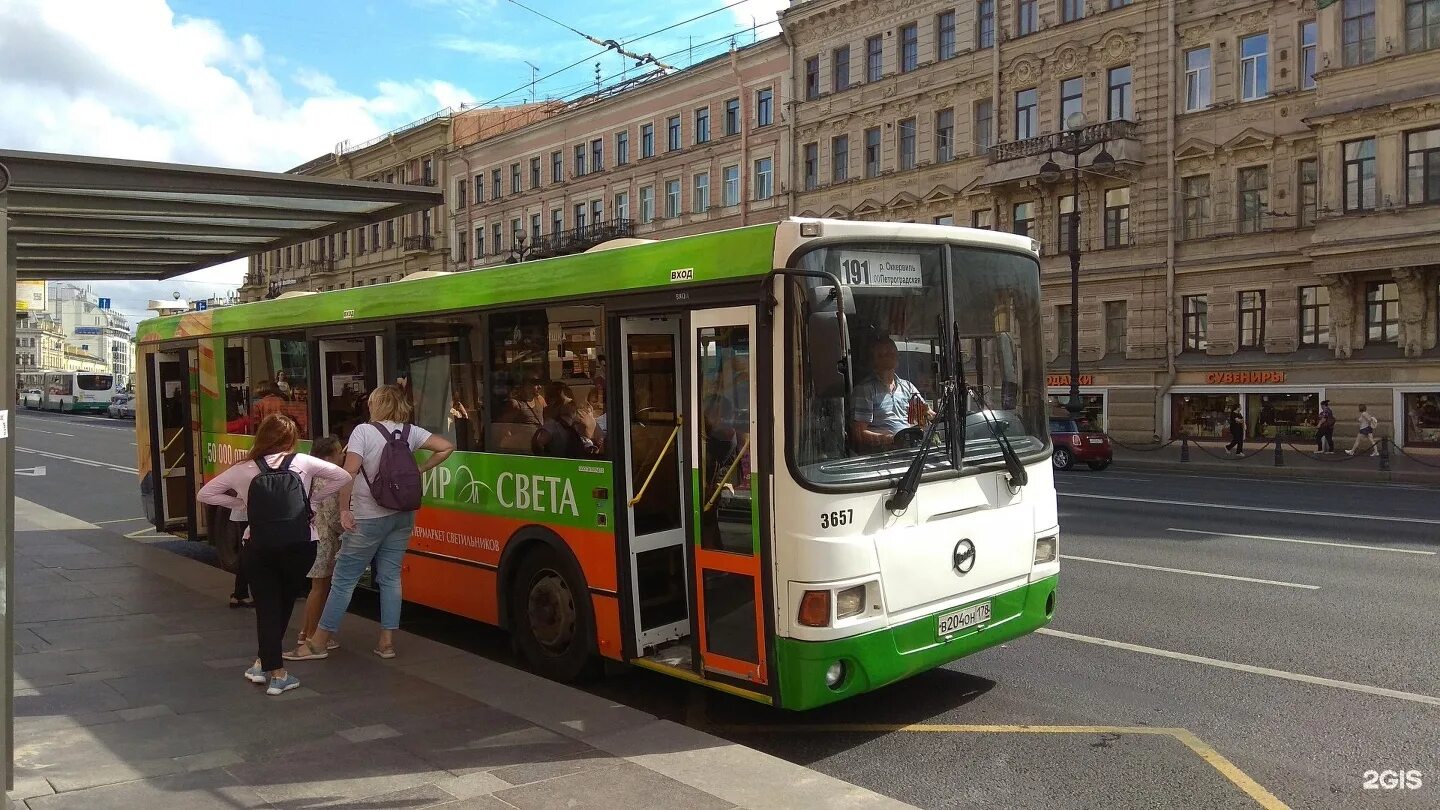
[[881, 405]]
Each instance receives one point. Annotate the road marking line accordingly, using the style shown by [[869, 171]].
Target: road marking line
[[1204, 750], [1307, 542], [1313, 680], [118, 520], [106, 465], [1192, 573], [51, 432], [1235, 508]]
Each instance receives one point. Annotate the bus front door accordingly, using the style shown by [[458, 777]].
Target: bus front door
[[728, 583], [172, 441], [654, 479]]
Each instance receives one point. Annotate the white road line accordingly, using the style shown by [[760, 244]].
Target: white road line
[[82, 421], [1191, 573], [1306, 542], [1236, 508], [118, 520], [85, 461], [1314, 680], [51, 432]]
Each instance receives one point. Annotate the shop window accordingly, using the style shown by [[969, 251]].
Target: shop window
[[1092, 410], [1203, 416], [547, 383], [440, 363], [279, 374], [1422, 419], [1292, 415]]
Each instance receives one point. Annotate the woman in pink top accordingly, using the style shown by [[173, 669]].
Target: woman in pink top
[[277, 575]]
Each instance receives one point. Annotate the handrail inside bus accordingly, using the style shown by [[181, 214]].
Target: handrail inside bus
[[715, 496], [664, 451]]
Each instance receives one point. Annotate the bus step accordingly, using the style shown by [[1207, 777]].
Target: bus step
[[675, 654]]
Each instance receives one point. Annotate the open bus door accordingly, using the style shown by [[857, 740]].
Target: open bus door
[[349, 371], [172, 443]]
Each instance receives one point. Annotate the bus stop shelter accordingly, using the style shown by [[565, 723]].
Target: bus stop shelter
[[67, 217]]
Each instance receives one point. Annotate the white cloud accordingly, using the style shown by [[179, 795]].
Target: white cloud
[[133, 80], [487, 49], [763, 13]]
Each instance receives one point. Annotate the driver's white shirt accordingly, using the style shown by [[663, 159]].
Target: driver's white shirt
[[881, 407]]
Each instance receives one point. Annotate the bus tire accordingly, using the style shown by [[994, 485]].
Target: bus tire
[[550, 616]]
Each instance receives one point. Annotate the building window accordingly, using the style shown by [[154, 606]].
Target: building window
[[812, 166], [1197, 79], [597, 211], [1027, 114], [1422, 167], [872, 152], [1117, 217], [647, 140], [498, 238], [1254, 186], [1116, 325], [622, 148], [732, 185], [764, 107], [1382, 312], [1122, 97], [700, 195], [874, 58], [1071, 99], [1254, 67], [985, 23], [1022, 218], [984, 126], [1309, 191], [983, 218], [647, 204], [580, 160], [1195, 311], [909, 47], [1252, 319], [702, 125], [1359, 169], [1422, 25], [1064, 318], [460, 188], [1194, 206], [1064, 222], [622, 205], [672, 199], [1357, 32], [764, 178], [360, 240], [597, 155], [840, 68], [557, 167], [580, 217], [557, 220], [1072, 10], [480, 242], [812, 78], [944, 135], [1027, 17], [1315, 316], [1114, 4], [840, 158], [496, 192], [534, 172], [945, 36], [732, 116], [907, 144], [1308, 39], [514, 178], [945, 219], [672, 133], [535, 228]]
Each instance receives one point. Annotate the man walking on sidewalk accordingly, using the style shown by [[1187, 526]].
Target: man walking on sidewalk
[[1237, 433], [1367, 424], [1325, 429]]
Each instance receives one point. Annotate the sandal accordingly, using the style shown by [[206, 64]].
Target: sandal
[[237, 602], [332, 644], [386, 652], [304, 652]]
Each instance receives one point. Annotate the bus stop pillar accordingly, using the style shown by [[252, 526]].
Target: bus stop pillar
[[7, 482]]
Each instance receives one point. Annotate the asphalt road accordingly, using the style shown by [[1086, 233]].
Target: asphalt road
[[1220, 642]]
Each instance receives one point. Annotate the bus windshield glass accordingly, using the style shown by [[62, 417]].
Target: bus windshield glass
[[922, 318]]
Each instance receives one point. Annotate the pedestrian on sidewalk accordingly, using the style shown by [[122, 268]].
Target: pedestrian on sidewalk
[[1367, 423], [275, 488], [1237, 433], [327, 545], [378, 517], [1325, 429]]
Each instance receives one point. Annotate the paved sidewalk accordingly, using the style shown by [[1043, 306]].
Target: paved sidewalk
[[128, 694], [1209, 459]]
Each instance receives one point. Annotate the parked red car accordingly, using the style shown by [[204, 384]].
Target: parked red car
[[1075, 441]]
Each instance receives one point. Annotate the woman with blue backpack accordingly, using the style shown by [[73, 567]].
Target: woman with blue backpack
[[378, 514], [275, 487]]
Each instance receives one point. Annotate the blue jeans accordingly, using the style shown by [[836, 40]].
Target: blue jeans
[[383, 540]]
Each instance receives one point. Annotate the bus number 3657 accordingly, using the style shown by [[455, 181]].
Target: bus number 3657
[[832, 520]]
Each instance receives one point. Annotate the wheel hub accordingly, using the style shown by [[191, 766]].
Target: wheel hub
[[552, 611]]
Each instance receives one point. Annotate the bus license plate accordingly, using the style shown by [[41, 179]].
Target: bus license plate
[[957, 620]]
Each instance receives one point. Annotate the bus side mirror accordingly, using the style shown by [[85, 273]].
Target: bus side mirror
[[823, 299]]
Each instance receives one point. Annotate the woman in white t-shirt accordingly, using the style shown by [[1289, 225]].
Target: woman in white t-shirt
[[372, 532]]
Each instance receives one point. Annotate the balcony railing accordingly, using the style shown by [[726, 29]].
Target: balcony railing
[[1062, 141], [319, 265], [421, 181], [577, 240], [413, 243]]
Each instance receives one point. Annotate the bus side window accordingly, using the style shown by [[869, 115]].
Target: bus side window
[[547, 385], [441, 360], [279, 373], [237, 388]]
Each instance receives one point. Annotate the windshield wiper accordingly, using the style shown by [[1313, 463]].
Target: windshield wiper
[[1019, 477], [910, 481]]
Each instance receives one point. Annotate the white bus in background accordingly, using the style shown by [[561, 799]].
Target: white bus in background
[[67, 391]]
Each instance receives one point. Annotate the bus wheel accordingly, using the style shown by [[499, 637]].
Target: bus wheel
[[550, 616]]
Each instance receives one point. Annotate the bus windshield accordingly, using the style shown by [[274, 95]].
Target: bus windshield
[[921, 318], [94, 382]]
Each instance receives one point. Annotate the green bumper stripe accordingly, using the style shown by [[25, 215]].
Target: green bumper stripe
[[885, 656]]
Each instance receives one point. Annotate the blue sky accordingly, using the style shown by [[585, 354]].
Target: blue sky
[[271, 84]]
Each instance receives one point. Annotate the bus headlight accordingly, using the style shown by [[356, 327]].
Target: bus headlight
[[850, 602], [835, 674], [1046, 548]]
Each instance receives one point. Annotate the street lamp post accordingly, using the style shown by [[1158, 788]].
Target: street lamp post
[[1071, 143], [519, 252]]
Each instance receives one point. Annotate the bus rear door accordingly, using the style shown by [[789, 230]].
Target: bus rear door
[[172, 443]]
